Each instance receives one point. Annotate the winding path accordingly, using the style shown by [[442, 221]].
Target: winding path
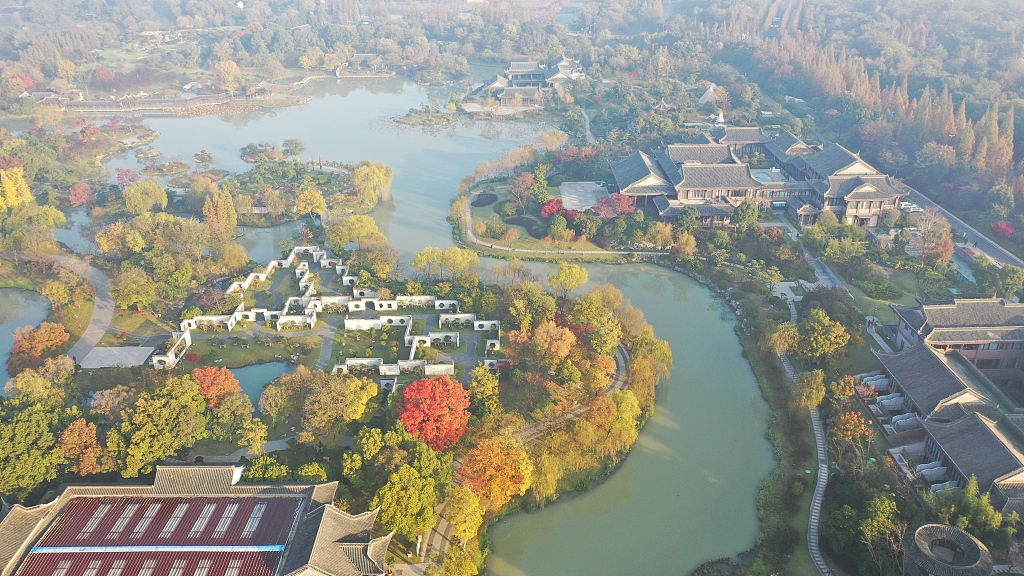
[[588, 135], [819, 494]]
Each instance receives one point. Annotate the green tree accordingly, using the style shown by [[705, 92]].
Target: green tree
[[407, 502], [428, 261], [842, 249], [230, 417], [557, 227], [311, 472], [821, 338], [141, 197], [158, 425], [372, 182], [253, 436], [809, 390], [265, 469], [310, 201], [744, 217], [29, 445], [334, 401], [465, 513], [971, 510], [881, 531], [483, 391], [568, 278], [133, 287], [842, 529], [357, 229]]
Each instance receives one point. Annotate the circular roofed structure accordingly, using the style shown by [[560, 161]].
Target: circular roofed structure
[[942, 550]]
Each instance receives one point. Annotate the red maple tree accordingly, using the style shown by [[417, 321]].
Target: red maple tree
[[215, 382], [34, 345], [435, 410], [81, 194]]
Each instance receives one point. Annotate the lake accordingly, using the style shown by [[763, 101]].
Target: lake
[[17, 308], [686, 493], [254, 378]]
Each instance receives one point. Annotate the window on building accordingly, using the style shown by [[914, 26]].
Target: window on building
[[970, 346], [225, 521], [62, 568], [1017, 346], [202, 521], [116, 568], [147, 568], [988, 363], [1011, 363], [203, 568], [173, 521], [177, 569], [93, 522], [122, 521], [147, 518], [92, 568], [254, 519], [234, 567]]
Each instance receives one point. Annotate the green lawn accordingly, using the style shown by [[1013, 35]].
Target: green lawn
[[361, 344], [140, 323], [525, 241], [905, 280], [232, 356]]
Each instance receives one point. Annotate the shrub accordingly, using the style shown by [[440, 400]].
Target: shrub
[[485, 199], [1003, 228]]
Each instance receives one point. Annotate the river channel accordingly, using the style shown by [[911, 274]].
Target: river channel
[[686, 493]]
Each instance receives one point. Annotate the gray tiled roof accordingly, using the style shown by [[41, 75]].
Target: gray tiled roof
[[338, 543], [634, 168], [669, 168], [802, 206], [16, 533], [717, 177], [523, 67], [785, 144], [673, 208], [974, 313], [700, 153], [831, 159], [919, 559], [978, 448], [698, 138], [743, 135], [912, 316], [925, 375], [876, 187]]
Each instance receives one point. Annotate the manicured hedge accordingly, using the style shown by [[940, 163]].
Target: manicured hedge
[[485, 199]]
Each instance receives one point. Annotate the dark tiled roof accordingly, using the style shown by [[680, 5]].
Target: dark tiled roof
[[785, 144], [742, 135], [498, 81], [196, 479], [700, 154], [802, 206], [911, 316], [698, 138], [717, 177], [831, 159], [876, 187], [974, 560], [524, 91], [926, 376], [523, 67], [636, 167], [978, 448], [669, 168], [673, 208], [974, 313]]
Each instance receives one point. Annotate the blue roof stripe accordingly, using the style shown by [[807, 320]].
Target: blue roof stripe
[[123, 549]]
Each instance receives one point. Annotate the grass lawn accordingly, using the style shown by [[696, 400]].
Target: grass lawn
[[111, 340], [905, 280], [75, 321], [139, 323], [360, 344], [211, 447], [525, 241], [235, 356], [861, 359], [800, 563]]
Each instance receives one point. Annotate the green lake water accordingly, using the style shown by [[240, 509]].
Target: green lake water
[[686, 493], [18, 308], [254, 378]]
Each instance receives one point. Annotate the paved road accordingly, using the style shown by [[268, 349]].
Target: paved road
[[986, 245], [588, 135], [103, 309]]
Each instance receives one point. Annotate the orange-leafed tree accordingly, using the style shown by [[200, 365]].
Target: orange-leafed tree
[[32, 346], [79, 445], [547, 345], [496, 472], [215, 382], [850, 437], [435, 410]]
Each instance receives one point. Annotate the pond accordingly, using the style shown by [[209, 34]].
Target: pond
[[254, 378], [687, 492], [17, 308]]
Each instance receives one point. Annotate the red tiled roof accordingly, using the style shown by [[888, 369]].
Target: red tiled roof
[[197, 536], [151, 564], [121, 522]]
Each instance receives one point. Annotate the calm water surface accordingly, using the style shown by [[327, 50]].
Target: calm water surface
[[254, 378], [17, 308], [686, 493]]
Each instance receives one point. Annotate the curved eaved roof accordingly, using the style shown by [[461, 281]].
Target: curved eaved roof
[[972, 558]]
